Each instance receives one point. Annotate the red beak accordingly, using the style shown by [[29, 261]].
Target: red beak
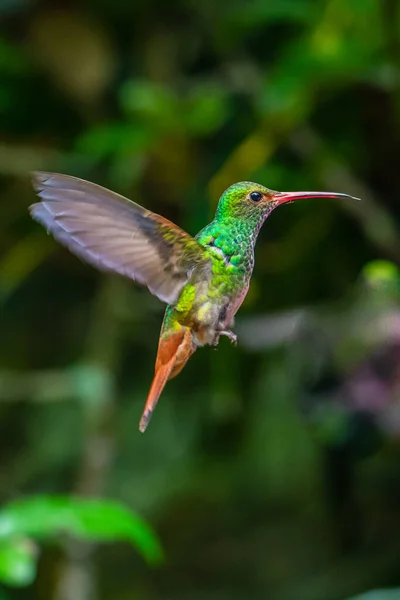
[[283, 197]]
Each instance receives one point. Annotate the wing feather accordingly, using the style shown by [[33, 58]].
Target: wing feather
[[115, 234]]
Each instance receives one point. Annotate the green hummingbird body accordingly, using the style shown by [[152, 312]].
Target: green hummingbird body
[[203, 279], [209, 302]]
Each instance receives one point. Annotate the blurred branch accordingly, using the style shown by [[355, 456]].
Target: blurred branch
[[76, 580], [357, 321], [93, 384], [20, 159], [54, 385]]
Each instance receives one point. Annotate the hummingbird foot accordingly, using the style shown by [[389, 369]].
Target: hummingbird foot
[[229, 334]]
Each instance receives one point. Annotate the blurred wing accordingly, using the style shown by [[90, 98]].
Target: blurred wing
[[114, 234]]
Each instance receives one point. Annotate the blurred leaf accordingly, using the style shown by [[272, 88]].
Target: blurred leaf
[[17, 562], [91, 519], [200, 112], [156, 104], [114, 138], [207, 109], [382, 273]]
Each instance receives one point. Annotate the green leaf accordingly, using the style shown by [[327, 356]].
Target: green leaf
[[90, 519], [17, 562], [207, 109]]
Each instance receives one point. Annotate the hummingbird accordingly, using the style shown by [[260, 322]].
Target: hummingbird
[[203, 279]]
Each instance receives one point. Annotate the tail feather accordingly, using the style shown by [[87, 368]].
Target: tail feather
[[173, 353]]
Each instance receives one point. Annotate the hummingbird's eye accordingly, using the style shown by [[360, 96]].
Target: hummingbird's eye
[[256, 196]]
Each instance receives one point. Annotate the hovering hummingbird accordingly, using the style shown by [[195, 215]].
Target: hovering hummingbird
[[203, 279]]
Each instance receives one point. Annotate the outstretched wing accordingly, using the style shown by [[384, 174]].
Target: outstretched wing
[[114, 234]]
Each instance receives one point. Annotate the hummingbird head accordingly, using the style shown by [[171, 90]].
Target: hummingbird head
[[253, 202]]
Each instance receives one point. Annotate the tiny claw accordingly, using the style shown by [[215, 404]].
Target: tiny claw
[[145, 420], [229, 334]]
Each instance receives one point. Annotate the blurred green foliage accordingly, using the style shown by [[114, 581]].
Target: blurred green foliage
[[48, 517], [269, 470]]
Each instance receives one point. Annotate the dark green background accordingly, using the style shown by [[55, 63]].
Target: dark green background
[[261, 482]]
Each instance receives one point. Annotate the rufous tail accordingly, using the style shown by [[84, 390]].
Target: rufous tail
[[173, 353]]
